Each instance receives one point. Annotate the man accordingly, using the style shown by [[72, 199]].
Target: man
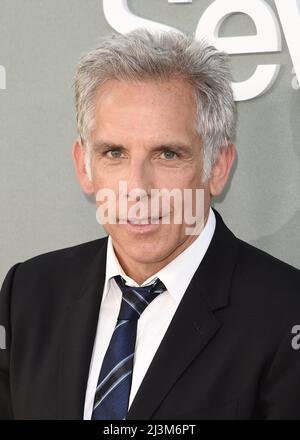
[[155, 321]]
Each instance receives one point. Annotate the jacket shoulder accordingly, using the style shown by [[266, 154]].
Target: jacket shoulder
[[78, 250], [268, 282], [261, 260], [53, 264]]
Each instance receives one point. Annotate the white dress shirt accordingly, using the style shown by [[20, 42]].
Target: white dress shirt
[[155, 319]]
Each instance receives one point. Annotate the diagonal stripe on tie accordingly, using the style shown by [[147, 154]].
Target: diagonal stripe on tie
[[116, 371], [113, 379], [136, 300], [121, 322], [114, 385], [134, 306], [140, 296]]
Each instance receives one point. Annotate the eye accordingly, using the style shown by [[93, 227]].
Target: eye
[[114, 153], [169, 154]]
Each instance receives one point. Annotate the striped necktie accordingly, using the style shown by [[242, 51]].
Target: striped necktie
[[114, 383]]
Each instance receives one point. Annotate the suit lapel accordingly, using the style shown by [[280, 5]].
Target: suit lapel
[[194, 324], [78, 336], [189, 332]]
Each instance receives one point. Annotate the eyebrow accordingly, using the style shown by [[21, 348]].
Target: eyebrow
[[99, 146], [178, 147]]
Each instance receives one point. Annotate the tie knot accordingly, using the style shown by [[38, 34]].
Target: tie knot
[[136, 299]]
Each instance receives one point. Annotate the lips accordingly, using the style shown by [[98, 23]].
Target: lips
[[144, 221]]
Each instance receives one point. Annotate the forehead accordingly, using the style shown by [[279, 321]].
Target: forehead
[[147, 106]]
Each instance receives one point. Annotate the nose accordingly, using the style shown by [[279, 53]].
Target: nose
[[135, 195], [139, 177]]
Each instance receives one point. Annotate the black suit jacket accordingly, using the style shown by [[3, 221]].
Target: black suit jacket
[[227, 354]]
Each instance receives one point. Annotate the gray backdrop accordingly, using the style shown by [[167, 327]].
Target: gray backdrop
[[42, 205]]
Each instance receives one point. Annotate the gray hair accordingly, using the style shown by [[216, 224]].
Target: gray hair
[[143, 55]]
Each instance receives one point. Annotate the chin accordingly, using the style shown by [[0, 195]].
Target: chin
[[149, 253]]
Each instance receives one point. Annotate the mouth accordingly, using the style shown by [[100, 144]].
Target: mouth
[[141, 221], [144, 221], [142, 226]]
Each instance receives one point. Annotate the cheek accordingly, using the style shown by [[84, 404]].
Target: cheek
[[188, 176], [193, 177], [103, 179]]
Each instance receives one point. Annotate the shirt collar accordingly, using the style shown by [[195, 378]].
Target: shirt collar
[[177, 274]]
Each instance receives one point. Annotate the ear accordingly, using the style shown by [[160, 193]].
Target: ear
[[221, 170], [78, 154]]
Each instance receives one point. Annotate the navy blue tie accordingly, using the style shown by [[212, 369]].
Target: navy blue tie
[[114, 383]]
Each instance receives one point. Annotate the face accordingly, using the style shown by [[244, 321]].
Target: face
[[145, 136]]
